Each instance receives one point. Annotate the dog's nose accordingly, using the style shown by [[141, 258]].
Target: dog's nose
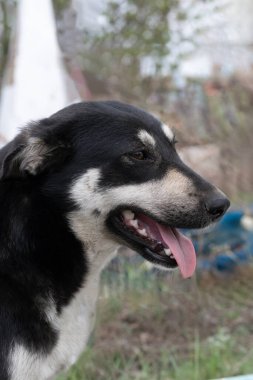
[[217, 206]]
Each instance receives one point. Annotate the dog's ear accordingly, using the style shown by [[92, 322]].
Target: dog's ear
[[31, 154]]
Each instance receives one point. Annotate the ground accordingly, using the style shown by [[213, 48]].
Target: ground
[[153, 326]]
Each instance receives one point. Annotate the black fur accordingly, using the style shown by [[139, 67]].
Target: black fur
[[39, 255]]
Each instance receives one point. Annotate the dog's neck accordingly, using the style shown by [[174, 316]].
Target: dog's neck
[[98, 260], [99, 248]]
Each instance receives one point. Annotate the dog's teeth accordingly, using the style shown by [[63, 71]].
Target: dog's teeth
[[143, 232], [128, 215], [167, 251], [134, 223]]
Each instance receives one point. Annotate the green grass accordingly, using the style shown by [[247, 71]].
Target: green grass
[[151, 327], [206, 363]]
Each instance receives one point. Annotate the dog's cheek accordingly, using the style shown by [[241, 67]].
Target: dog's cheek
[[84, 192]]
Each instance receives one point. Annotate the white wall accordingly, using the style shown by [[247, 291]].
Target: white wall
[[227, 43]]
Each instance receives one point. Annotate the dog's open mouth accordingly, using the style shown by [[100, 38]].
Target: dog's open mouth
[[160, 244]]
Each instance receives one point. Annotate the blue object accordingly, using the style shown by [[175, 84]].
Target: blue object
[[225, 246]]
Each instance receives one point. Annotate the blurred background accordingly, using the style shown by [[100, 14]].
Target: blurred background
[[190, 62]]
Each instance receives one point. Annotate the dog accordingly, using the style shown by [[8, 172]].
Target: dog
[[74, 188]]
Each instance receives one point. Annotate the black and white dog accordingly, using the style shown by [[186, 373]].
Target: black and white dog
[[74, 187]]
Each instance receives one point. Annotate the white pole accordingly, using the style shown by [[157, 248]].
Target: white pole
[[35, 85]]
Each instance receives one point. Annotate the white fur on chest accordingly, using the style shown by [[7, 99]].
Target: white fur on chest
[[74, 326], [76, 323], [77, 319]]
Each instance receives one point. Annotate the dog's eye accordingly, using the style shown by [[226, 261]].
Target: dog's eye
[[140, 155]]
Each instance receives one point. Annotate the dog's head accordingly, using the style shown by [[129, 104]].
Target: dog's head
[[127, 185]]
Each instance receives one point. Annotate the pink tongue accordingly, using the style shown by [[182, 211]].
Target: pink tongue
[[182, 249]]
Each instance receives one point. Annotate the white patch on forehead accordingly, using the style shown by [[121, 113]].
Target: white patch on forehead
[[146, 138], [168, 132]]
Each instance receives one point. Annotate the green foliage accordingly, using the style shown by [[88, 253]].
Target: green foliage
[[140, 27], [135, 29]]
